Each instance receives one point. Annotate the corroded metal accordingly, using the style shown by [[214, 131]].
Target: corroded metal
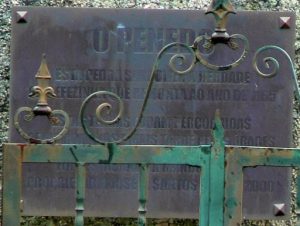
[[271, 62], [216, 177], [80, 193], [11, 192], [196, 57], [143, 194], [239, 157], [94, 69], [210, 159], [220, 9], [42, 90], [85, 154]]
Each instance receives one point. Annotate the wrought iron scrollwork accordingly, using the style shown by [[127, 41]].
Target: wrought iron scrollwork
[[220, 9], [272, 63], [104, 107], [42, 90], [230, 43]]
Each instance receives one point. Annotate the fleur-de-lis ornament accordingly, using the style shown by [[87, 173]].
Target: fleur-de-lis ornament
[[220, 9], [42, 90]]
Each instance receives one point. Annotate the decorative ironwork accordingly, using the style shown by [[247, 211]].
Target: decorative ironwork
[[271, 62], [42, 90], [220, 9], [143, 193]]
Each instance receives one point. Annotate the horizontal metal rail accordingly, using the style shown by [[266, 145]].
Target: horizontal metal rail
[[16, 154], [220, 202]]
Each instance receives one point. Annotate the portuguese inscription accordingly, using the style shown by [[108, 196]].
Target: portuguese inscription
[[106, 49]]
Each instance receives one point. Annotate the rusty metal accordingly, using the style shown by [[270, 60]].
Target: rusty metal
[[220, 9], [43, 90], [71, 74], [271, 62], [80, 193], [196, 57], [143, 194], [239, 157], [221, 166], [210, 159], [198, 156]]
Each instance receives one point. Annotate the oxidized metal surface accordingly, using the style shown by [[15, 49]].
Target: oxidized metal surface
[[193, 156], [42, 90], [210, 159], [220, 10], [237, 159], [110, 50], [80, 193], [143, 194]]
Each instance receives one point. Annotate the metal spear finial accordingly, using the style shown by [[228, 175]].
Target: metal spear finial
[[43, 90], [220, 9]]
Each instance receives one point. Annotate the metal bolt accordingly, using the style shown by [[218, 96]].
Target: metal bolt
[[21, 16], [279, 209], [285, 22]]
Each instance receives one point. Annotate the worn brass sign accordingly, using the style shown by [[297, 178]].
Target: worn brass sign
[[114, 50]]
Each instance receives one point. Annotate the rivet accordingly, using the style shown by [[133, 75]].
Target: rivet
[[21, 16], [285, 22], [279, 209]]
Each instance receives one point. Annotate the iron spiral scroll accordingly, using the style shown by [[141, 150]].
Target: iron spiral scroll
[[272, 64], [196, 57], [220, 10]]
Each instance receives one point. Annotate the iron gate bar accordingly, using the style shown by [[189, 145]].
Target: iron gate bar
[[216, 180], [210, 159], [16, 154], [12, 180], [80, 192], [143, 194], [238, 158]]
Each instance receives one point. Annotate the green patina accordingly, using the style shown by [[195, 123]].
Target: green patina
[[209, 158], [221, 207], [220, 202]]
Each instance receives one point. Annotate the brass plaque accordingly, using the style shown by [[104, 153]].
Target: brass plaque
[[114, 49]]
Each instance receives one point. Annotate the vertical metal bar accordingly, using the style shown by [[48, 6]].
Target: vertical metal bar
[[204, 191], [80, 193], [143, 193], [216, 206], [298, 197], [12, 164], [233, 188]]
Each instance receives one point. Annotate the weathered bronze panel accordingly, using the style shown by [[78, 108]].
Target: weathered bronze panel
[[111, 49]]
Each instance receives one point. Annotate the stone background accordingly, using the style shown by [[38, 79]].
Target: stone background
[[5, 11]]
